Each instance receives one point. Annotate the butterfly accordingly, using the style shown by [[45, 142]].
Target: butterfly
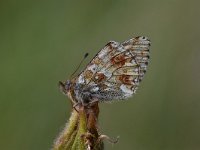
[[113, 74]]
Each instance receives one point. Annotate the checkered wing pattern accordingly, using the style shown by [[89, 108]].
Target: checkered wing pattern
[[116, 71]]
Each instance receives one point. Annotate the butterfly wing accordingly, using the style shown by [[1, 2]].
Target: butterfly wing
[[98, 62], [116, 70]]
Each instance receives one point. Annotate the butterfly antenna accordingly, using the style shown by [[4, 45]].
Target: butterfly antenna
[[85, 56]]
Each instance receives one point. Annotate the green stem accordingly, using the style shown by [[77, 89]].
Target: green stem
[[67, 136], [79, 142], [81, 132]]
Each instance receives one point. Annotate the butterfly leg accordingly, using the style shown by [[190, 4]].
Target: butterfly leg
[[75, 106], [113, 141], [93, 102]]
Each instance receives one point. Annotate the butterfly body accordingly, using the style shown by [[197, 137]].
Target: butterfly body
[[113, 74]]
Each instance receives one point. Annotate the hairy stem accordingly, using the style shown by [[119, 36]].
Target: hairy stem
[[67, 136], [81, 132]]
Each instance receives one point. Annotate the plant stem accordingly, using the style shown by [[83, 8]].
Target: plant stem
[[66, 138], [81, 132]]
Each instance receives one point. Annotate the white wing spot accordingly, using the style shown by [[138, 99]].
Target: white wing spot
[[126, 90], [92, 68], [81, 79], [114, 44], [95, 89]]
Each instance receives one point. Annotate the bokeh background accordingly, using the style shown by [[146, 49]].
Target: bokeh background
[[42, 42]]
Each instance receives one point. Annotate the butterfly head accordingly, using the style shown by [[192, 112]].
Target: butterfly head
[[65, 86]]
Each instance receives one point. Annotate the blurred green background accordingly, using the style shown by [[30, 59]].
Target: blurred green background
[[42, 42]]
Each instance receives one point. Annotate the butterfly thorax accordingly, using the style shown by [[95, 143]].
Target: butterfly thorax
[[75, 91]]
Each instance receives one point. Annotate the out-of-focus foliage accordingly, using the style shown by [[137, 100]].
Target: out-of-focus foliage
[[42, 42]]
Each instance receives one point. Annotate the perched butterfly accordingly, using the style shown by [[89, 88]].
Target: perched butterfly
[[113, 74]]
